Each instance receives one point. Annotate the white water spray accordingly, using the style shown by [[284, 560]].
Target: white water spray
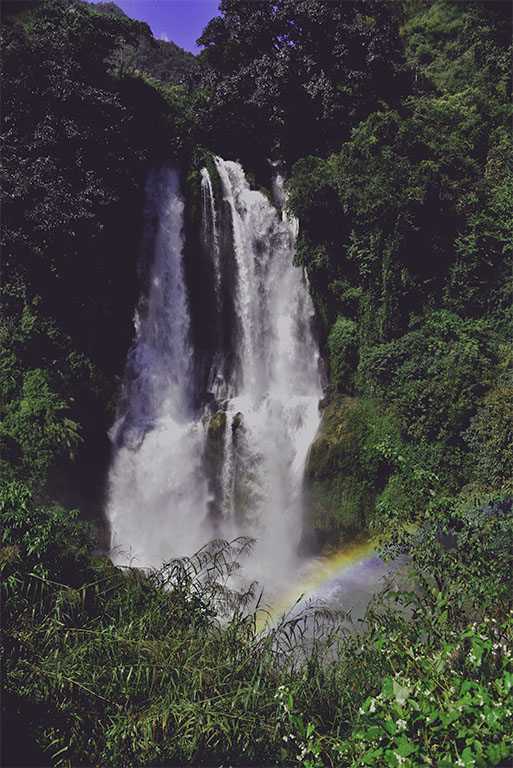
[[154, 485], [209, 229], [279, 387], [181, 476]]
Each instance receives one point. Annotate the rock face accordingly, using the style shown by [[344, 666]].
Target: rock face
[[217, 426], [338, 496], [214, 458]]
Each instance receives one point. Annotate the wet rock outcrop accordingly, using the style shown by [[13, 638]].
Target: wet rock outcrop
[[338, 495]]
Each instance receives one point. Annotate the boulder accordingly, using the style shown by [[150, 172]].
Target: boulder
[[338, 497]]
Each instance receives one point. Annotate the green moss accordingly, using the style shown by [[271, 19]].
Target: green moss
[[357, 450], [214, 459], [216, 427], [343, 346], [336, 503]]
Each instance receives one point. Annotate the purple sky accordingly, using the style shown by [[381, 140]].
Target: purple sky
[[181, 21]]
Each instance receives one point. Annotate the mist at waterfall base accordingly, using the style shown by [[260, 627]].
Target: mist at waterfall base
[[213, 428]]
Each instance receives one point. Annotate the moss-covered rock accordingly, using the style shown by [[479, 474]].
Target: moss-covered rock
[[214, 458], [339, 495], [217, 426]]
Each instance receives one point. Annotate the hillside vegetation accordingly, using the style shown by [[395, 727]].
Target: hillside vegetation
[[159, 60]]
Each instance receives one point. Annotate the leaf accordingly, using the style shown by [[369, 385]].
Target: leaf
[[405, 747], [388, 687], [431, 718], [380, 643], [371, 754], [401, 692]]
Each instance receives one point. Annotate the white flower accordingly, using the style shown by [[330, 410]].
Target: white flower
[[401, 724]]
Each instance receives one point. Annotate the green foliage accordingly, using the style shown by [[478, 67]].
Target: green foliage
[[293, 74], [349, 464], [449, 703], [435, 664], [78, 141], [398, 173], [433, 376], [406, 237], [490, 435], [134, 668], [72, 224], [460, 554], [41, 374], [443, 708], [450, 44], [38, 424], [109, 666], [408, 722], [159, 60], [343, 346], [48, 542]]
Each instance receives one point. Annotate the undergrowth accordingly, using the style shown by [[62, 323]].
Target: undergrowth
[[118, 667]]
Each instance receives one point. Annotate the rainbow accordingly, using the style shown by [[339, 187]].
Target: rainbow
[[342, 566]]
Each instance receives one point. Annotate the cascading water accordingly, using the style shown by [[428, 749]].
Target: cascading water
[[158, 494], [209, 229], [183, 474]]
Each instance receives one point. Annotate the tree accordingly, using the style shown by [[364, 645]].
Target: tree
[[77, 143], [295, 73]]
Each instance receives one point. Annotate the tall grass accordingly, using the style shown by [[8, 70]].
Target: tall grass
[[110, 666]]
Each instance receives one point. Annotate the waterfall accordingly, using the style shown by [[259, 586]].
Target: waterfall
[[155, 488], [209, 229], [224, 456]]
